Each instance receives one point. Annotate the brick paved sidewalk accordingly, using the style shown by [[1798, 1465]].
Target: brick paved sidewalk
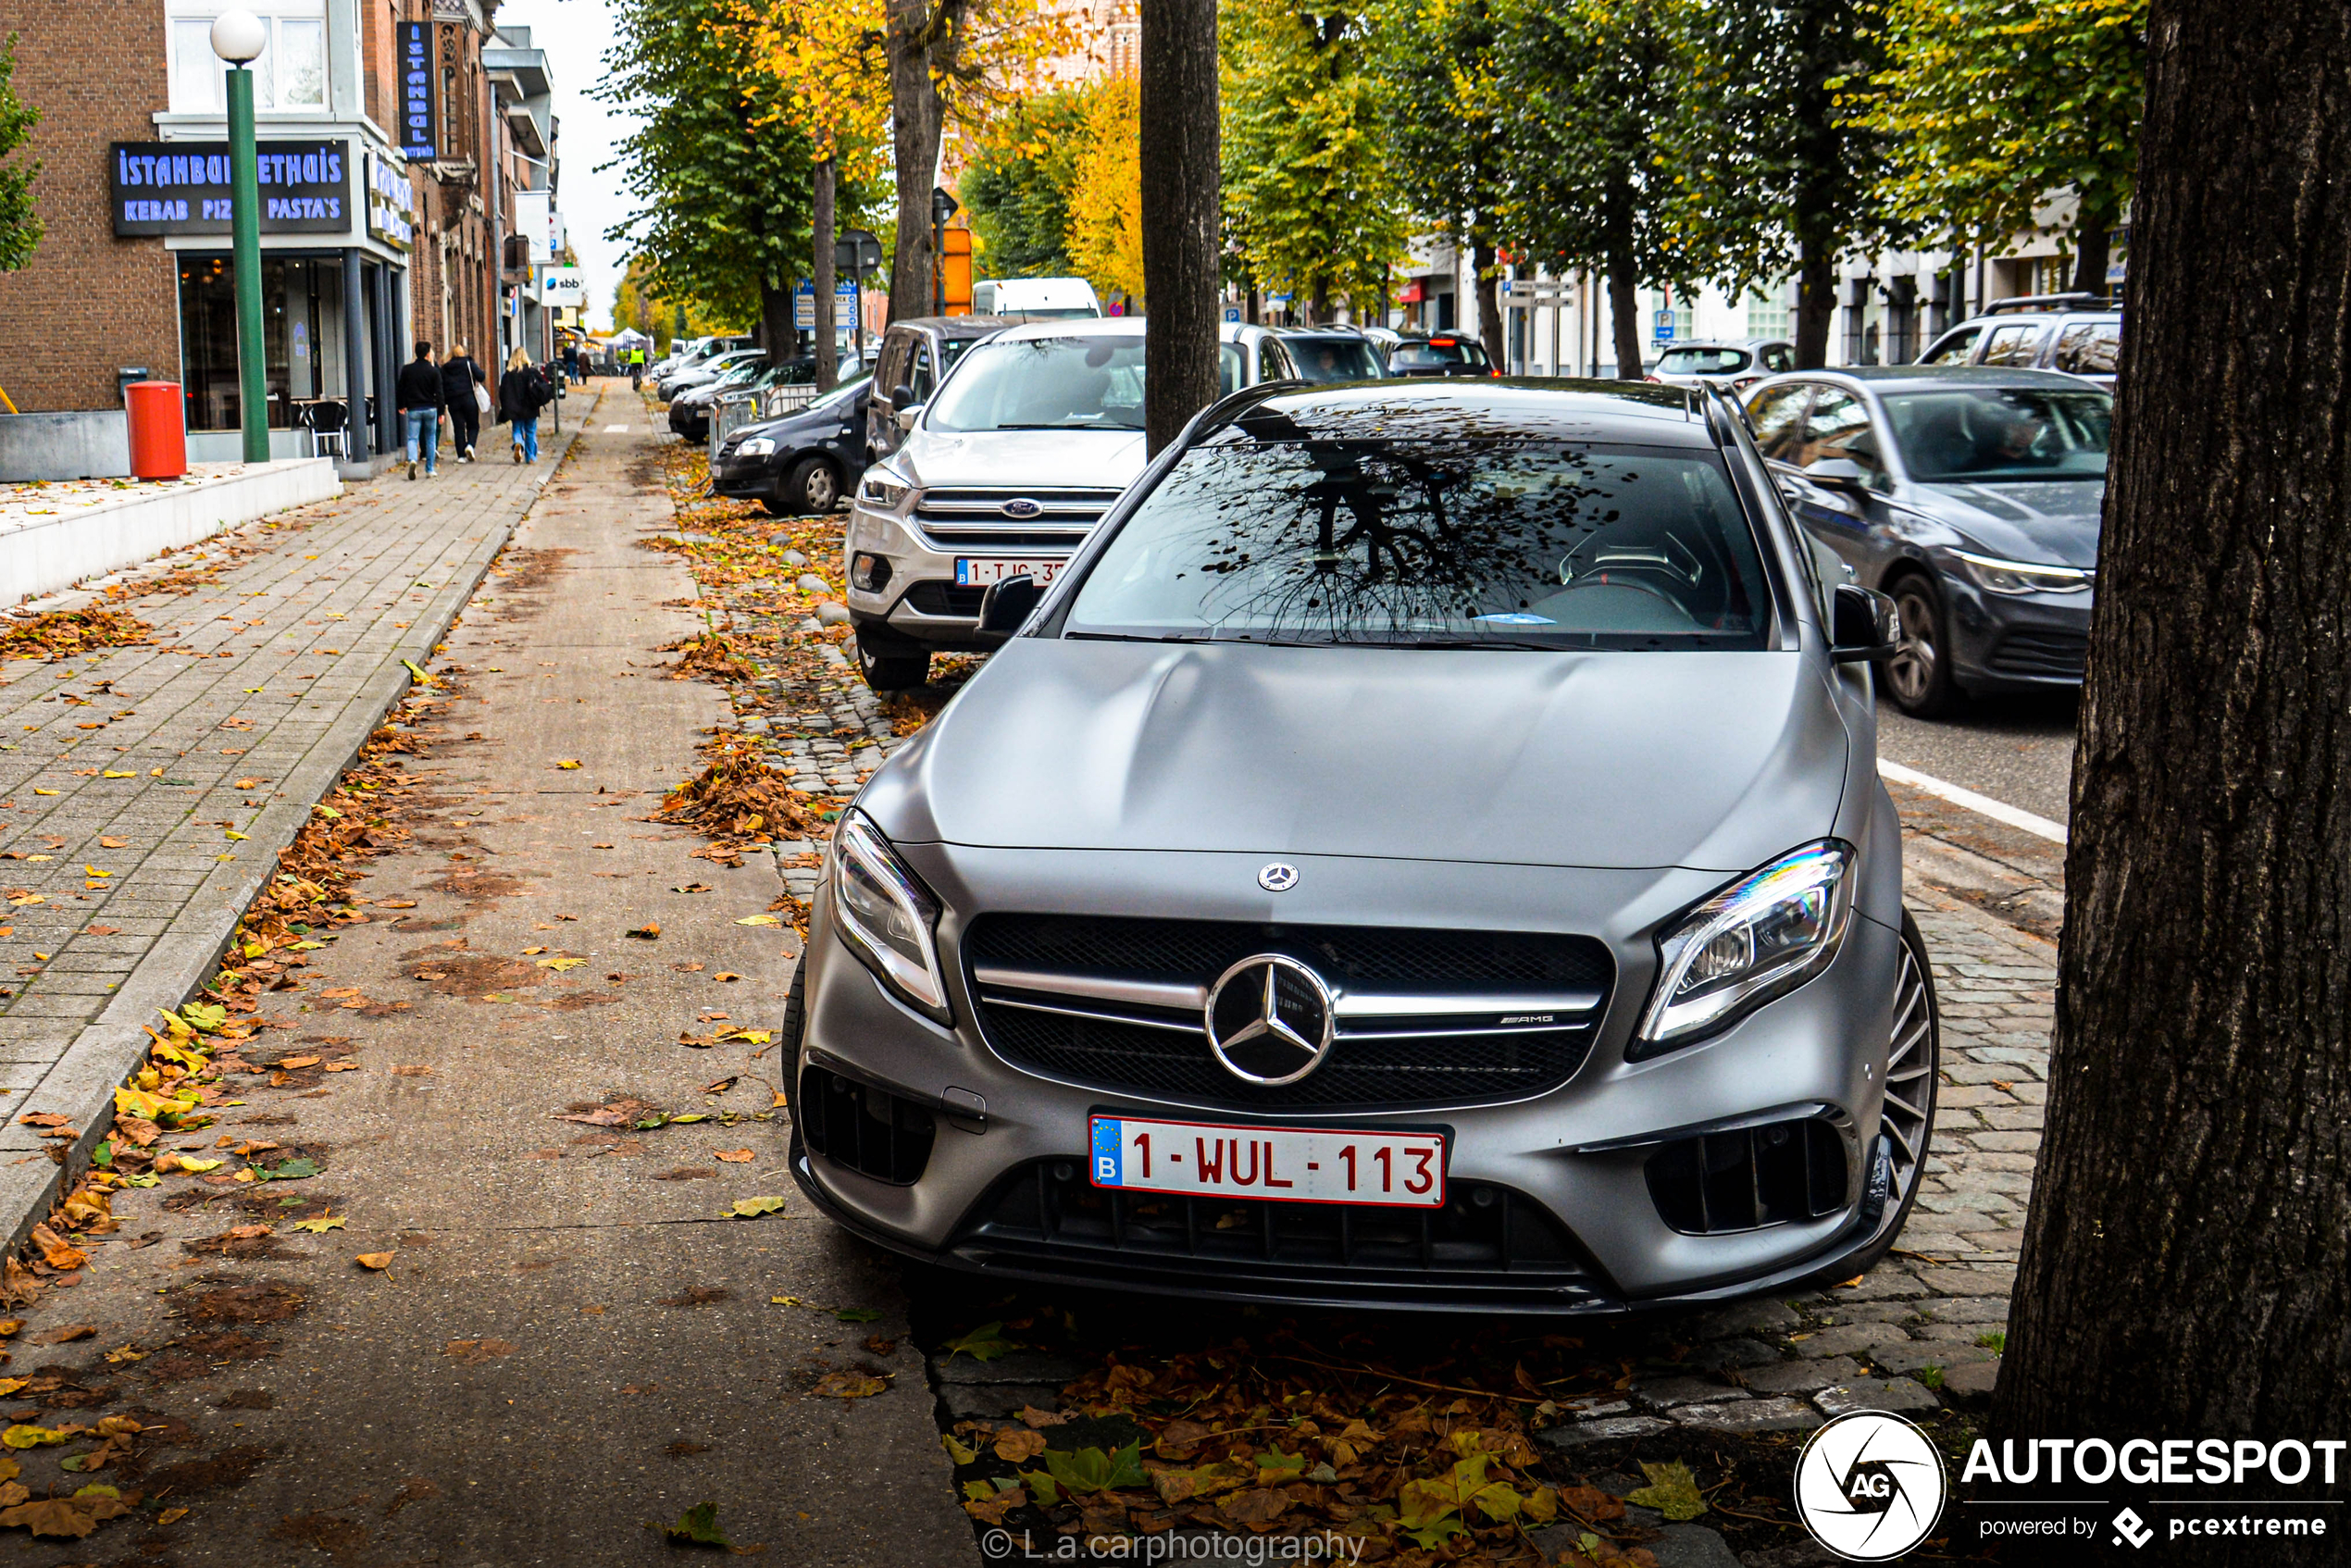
[[268, 677]]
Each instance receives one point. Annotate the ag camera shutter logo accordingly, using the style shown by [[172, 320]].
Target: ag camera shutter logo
[[1869, 1485]]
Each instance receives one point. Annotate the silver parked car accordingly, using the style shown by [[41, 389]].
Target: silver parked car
[[1426, 850], [2078, 335], [1003, 473], [1732, 365]]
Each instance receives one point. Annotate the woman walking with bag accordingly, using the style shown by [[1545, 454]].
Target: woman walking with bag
[[461, 381], [522, 392]]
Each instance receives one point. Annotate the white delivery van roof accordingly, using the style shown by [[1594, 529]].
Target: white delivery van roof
[[1035, 298]]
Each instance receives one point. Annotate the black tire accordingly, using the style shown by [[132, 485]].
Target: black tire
[[1906, 1122], [889, 662], [1917, 677], [813, 487]]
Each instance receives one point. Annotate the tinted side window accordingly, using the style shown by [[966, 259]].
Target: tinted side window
[[1270, 367], [1777, 417], [1954, 348], [1778, 359], [889, 373], [1230, 368], [2089, 348], [922, 379], [1840, 426], [2018, 344]]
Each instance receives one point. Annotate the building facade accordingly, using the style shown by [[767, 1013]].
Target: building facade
[[391, 172]]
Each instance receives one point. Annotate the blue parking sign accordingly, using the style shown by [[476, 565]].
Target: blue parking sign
[[1665, 326]]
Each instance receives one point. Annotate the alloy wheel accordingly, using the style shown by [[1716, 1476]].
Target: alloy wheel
[[1908, 1119], [1916, 660], [821, 489]]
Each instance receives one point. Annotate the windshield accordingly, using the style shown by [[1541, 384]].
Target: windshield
[[847, 392], [1335, 359], [1438, 353], [1433, 544], [1072, 384], [1703, 361], [2001, 434]]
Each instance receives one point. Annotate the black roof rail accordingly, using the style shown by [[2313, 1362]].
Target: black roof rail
[[2017, 304]]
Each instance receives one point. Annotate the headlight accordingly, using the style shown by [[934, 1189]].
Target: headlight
[[757, 446], [886, 917], [1996, 576], [885, 493], [1758, 938]]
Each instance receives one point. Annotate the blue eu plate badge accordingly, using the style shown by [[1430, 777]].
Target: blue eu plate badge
[[1106, 1138]]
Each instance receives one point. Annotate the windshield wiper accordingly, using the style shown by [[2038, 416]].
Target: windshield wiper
[[1073, 425], [1132, 637]]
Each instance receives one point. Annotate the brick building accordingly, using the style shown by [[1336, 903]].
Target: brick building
[[391, 169]]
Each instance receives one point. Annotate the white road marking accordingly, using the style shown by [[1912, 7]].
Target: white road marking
[[1999, 811], [616, 430]]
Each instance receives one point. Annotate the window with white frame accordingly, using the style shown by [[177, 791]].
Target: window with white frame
[[289, 77], [1766, 315]]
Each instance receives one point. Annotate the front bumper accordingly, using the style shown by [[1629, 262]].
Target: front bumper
[[1580, 1228], [2016, 641], [920, 597], [749, 479]]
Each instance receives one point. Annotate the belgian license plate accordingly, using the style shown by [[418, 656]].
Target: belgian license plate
[[1288, 1164], [979, 571]]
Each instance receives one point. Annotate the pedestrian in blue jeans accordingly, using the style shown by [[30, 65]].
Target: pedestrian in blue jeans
[[522, 392], [421, 401]]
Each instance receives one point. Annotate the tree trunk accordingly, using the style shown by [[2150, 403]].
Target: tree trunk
[[1180, 152], [923, 41], [775, 319], [1815, 307], [820, 215], [1489, 303], [2093, 245], [1318, 304], [2186, 1266]]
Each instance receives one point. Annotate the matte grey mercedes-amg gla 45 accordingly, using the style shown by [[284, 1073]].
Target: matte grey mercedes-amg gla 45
[[1426, 851]]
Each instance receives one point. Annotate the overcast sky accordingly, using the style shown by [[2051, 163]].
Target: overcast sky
[[575, 34]]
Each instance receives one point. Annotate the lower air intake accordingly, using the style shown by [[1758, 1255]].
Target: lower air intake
[[1777, 1174], [868, 1130]]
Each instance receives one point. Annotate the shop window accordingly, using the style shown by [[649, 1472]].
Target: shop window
[[301, 334]]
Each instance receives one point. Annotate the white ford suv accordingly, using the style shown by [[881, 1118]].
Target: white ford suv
[[1028, 441]]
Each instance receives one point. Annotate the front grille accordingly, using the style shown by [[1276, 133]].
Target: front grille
[[1487, 1239], [1427, 1017], [2043, 652], [1755, 1177], [868, 1131], [968, 519], [945, 599]]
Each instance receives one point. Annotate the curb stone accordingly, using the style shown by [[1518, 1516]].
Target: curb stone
[[109, 1048]]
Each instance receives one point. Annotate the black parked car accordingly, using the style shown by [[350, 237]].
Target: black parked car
[[1969, 496], [803, 462]]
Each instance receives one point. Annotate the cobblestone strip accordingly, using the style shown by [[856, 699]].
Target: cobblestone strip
[[1924, 1328], [144, 792]]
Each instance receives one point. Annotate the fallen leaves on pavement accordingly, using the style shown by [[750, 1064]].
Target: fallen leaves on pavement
[[67, 634]]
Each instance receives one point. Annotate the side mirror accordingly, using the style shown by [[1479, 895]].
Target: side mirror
[[906, 417], [1864, 627], [904, 397], [1005, 608], [1840, 473]]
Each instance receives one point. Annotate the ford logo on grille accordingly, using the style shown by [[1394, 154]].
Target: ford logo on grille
[[1021, 507]]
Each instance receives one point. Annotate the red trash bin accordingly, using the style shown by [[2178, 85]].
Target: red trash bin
[[158, 430]]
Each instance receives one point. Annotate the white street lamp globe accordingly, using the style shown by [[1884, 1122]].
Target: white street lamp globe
[[238, 37]]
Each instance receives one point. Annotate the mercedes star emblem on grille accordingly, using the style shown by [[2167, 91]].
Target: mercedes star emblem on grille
[[1278, 877], [1021, 507], [1270, 1020]]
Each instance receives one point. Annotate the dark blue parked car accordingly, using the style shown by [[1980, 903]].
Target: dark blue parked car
[[805, 462], [1969, 496]]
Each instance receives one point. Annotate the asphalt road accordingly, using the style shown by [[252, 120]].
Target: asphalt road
[[2018, 750]]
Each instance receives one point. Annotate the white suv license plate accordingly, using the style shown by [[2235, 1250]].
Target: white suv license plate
[[1287, 1164], [978, 572]]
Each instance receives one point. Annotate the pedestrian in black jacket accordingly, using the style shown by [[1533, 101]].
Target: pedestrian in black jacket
[[459, 376], [522, 392], [421, 399]]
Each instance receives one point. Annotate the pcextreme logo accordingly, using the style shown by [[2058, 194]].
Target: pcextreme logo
[[1869, 1485]]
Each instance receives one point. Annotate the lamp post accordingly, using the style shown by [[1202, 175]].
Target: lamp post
[[238, 37]]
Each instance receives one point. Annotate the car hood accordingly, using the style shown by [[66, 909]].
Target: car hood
[[1055, 459], [2054, 523], [1711, 761]]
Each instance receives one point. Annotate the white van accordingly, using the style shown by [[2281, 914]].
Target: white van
[[1034, 299]]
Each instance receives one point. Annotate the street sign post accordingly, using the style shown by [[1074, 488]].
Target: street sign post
[[1664, 327]]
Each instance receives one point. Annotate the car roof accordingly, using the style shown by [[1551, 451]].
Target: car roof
[[1635, 413], [1331, 331], [1918, 377], [2035, 318], [956, 325], [1721, 342], [1078, 327]]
